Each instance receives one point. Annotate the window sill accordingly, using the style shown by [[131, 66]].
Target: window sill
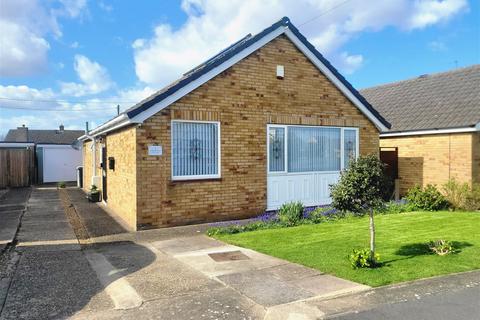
[[180, 181]]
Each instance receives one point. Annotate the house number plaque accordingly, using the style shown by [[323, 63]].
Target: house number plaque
[[155, 150]]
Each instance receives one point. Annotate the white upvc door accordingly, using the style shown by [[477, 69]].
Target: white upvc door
[[303, 161]]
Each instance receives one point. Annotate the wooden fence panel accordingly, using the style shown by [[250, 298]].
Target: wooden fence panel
[[17, 167]]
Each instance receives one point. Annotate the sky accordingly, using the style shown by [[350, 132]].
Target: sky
[[72, 61]]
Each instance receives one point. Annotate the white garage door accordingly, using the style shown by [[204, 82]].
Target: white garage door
[[60, 163]]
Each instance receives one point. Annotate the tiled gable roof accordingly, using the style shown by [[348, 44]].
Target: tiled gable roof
[[43, 136], [225, 55], [437, 101]]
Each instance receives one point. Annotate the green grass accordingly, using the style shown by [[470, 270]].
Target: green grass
[[400, 242]]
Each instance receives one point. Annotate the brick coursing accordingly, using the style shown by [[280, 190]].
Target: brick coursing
[[434, 159], [244, 98], [122, 180]]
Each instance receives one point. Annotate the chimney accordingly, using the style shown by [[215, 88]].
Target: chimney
[[62, 128], [22, 134]]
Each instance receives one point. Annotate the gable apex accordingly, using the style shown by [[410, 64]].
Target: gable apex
[[229, 57]]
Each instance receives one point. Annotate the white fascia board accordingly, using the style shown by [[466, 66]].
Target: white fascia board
[[83, 138], [309, 54], [54, 146], [113, 127], [139, 118], [433, 131], [16, 144], [100, 129]]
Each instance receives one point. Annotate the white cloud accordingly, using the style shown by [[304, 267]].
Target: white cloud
[[349, 63], [75, 45], [94, 78], [214, 24], [25, 26], [437, 45], [46, 109]]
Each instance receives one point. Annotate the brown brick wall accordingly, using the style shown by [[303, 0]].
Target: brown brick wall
[[476, 157], [432, 159], [121, 181], [244, 98]]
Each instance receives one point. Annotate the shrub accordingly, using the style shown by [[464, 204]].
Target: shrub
[[472, 201], [360, 186], [394, 207], [290, 214], [361, 258], [238, 228], [462, 196], [94, 189], [62, 184], [429, 198], [323, 214], [441, 247]]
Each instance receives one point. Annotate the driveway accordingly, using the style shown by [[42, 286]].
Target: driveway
[[72, 260]]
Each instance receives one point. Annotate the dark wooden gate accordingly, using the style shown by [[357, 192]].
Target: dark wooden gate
[[17, 167], [389, 156]]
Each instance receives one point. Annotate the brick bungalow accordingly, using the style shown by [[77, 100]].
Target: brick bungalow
[[266, 121], [435, 126]]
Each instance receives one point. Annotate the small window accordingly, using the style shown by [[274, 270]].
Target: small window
[[276, 143], [195, 150]]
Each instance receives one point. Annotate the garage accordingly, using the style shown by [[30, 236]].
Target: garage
[[58, 162]]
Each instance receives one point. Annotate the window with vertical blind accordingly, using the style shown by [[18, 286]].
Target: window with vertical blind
[[295, 149], [195, 150]]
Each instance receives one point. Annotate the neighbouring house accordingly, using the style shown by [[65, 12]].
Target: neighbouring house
[[266, 121], [435, 126], [55, 153]]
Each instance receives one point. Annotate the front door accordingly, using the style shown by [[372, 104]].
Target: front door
[[303, 161], [104, 173]]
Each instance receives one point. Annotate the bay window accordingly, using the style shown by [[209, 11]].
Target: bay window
[[296, 149]]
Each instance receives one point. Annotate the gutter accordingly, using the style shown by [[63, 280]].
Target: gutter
[[117, 122], [473, 128]]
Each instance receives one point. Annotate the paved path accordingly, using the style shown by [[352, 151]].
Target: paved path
[[12, 206]]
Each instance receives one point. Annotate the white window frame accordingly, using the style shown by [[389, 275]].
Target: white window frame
[[219, 153], [285, 127]]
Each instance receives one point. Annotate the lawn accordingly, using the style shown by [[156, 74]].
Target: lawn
[[400, 242]]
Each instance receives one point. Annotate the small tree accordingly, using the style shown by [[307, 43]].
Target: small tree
[[360, 189]]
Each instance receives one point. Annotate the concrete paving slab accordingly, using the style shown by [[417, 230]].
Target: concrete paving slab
[[223, 303], [294, 311], [185, 244], [291, 271], [327, 285], [53, 285], [264, 288], [201, 261], [167, 277]]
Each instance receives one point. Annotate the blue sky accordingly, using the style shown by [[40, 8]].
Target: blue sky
[[72, 61]]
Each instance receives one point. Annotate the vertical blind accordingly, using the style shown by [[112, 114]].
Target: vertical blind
[[313, 149], [310, 148], [194, 149], [277, 149], [350, 145]]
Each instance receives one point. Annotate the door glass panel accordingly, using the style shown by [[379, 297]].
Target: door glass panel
[[313, 149], [276, 159], [350, 145]]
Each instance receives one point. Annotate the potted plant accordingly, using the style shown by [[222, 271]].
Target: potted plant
[[94, 194]]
